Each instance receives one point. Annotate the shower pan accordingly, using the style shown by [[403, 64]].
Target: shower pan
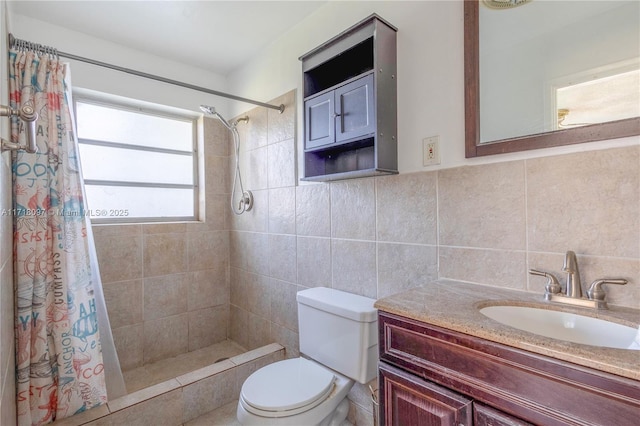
[[245, 203]]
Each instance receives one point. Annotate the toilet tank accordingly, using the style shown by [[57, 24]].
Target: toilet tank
[[340, 331]]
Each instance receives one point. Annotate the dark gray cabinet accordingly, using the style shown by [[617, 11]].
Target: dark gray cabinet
[[341, 115], [350, 122]]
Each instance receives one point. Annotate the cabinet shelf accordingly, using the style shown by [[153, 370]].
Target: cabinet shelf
[[350, 110]]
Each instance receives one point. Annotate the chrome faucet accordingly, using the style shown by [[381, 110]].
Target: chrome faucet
[[573, 290], [574, 287]]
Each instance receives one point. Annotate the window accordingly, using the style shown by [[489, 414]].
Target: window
[[139, 164], [598, 95]]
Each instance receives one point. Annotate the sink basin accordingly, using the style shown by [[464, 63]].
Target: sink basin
[[566, 326]]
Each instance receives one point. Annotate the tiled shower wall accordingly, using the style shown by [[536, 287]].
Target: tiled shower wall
[[167, 285], [485, 224]]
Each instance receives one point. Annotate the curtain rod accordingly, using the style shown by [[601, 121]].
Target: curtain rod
[[15, 42]]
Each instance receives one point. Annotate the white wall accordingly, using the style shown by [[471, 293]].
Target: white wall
[[119, 83], [430, 75]]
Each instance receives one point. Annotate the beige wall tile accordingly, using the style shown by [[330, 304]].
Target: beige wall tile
[[207, 250], [239, 249], [120, 257], [314, 261], [165, 409], [259, 331], [165, 254], [208, 326], [217, 175], [284, 307], [163, 228], [282, 257], [483, 206], [143, 395], [258, 253], [259, 293], [587, 202], [257, 171], [239, 287], [129, 344], [216, 137], [500, 268], [208, 394], [202, 373], [353, 209], [100, 231], [407, 208], [282, 211], [208, 288], [282, 164], [404, 266], [164, 296], [313, 212], [254, 133], [239, 325], [124, 302], [354, 267], [165, 337], [282, 125]]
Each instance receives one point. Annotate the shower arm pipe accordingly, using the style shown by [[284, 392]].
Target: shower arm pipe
[[280, 108]]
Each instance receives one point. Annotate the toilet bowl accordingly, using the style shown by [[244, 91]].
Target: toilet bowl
[[339, 344], [296, 392]]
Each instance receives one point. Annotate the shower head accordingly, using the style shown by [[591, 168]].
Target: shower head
[[207, 109]]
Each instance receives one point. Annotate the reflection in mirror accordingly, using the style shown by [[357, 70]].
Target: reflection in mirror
[[550, 73]]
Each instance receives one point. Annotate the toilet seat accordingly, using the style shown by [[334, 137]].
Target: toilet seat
[[286, 388]]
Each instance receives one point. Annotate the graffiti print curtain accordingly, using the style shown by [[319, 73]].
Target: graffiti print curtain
[[58, 354]]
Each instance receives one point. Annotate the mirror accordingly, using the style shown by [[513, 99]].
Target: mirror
[[545, 74]]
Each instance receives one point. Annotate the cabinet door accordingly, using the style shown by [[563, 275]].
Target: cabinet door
[[319, 115], [407, 400], [355, 109], [487, 416]]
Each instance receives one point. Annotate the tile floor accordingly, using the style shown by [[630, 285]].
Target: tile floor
[[223, 416], [158, 372]]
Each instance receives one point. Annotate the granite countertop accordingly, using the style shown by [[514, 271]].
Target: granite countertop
[[456, 306]]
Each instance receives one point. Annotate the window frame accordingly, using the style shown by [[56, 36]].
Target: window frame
[[137, 106]]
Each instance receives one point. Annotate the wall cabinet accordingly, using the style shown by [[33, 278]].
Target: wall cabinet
[[350, 122], [433, 376], [340, 115]]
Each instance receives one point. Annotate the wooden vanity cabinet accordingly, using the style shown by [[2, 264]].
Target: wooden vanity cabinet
[[429, 375]]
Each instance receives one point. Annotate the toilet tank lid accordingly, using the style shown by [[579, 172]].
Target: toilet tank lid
[[347, 305]]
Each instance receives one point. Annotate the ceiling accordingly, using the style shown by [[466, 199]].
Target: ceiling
[[215, 35]]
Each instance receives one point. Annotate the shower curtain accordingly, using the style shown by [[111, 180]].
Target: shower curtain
[[59, 364]]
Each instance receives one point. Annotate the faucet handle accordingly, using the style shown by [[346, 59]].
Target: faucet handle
[[596, 292], [552, 286]]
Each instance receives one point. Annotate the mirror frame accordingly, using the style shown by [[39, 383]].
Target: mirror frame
[[473, 147]]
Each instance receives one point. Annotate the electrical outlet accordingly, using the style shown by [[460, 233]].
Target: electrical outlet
[[431, 151]]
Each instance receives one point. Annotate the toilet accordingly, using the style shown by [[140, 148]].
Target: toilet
[[339, 344]]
